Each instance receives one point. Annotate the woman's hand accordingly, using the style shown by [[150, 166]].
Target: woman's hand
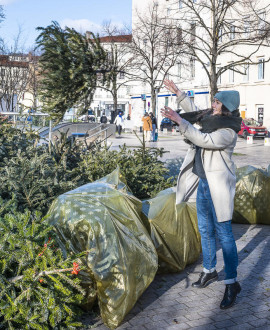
[[173, 115], [170, 85]]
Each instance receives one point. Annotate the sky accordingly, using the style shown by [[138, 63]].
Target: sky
[[83, 15]]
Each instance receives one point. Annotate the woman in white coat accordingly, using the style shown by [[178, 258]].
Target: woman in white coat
[[208, 175]]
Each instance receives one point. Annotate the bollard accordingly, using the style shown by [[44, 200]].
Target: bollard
[[249, 139], [267, 142]]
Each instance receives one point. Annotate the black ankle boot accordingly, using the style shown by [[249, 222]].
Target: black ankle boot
[[205, 279], [230, 294]]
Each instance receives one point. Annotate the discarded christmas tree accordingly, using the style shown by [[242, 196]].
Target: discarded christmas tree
[[40, 289]]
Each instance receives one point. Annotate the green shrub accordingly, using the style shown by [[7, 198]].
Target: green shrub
[[38, 289], [36, 174], [145, 174]]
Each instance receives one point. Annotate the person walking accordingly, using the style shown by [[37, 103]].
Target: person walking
[[119, 121], [147, 127], [208, 176], [154, 126], [103, 119]]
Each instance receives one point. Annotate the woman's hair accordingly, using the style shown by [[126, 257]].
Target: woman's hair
[[228, 113], [197, 116]]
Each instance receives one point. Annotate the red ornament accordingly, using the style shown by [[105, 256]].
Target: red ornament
[[76, 268]]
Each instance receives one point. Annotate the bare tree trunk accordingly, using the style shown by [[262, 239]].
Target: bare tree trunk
[[213, 81], [153, 99]]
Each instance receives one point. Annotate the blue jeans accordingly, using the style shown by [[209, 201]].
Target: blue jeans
[[153, 132], [209, 227]]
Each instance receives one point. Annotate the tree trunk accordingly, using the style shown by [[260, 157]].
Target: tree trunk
[[115, 102], [153, 99], [213, 81]]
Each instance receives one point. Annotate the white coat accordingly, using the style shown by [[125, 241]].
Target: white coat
[[217, 149], [119, 121]]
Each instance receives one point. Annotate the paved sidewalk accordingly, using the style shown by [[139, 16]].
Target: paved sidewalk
[[255, 154], [172, 303]]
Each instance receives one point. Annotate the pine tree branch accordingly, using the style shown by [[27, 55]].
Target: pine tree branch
[[43, 273]]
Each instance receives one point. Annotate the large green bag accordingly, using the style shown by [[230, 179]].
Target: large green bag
[[103, 218], [173, 229], [252, 196]]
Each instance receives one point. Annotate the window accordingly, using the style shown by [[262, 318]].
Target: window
[[220, 33], [192, 68], [261, 22], [246, 72], [232, 32], [246, 27], [192, 32], [231, 75], [179, 69], [179, 35], [261, 69], [180, 4], [168, 11], [122, 75], [110, 56]]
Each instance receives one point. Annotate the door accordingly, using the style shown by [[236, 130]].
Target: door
[[260, 113]]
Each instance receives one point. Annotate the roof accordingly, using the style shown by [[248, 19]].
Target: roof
[[5, 61], [120, 38], [17, 60]]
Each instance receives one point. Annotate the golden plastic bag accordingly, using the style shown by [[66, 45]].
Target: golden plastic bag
[[252, 196], [173, 229], [103, 218]]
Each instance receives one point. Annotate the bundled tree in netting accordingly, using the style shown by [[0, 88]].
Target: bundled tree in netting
[[39, 288], [69, 66]]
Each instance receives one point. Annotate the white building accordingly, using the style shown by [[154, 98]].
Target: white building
[[188, 73], [254, 86], [103, 98]]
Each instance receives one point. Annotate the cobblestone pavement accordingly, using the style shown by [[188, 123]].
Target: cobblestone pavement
[[172, 303]]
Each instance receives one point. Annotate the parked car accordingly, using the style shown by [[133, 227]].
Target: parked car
[[167, 123], [251, 127]]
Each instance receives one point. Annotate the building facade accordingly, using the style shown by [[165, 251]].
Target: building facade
[[251, 79]]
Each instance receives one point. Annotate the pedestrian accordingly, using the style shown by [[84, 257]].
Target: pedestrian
[[154, 126], [147, 127], [119, 121], [208, 174], [103, 119], [128, 117]]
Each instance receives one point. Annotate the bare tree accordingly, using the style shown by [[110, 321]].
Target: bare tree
[[2, 16], [34, 79], [16, 73], [116, 42], [222, 34], [156, 47]]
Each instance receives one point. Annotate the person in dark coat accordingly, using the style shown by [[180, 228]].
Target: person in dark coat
[[154, 126], [103, 119]]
